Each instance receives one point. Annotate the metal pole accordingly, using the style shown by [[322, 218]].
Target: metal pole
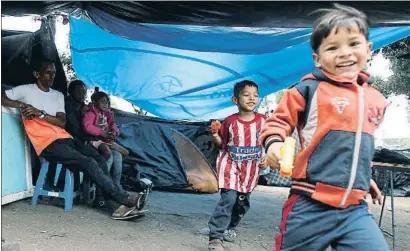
[[384, 202], [392, 208]]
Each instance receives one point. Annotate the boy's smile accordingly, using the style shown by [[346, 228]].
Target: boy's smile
[[248, 99], [343, 52]]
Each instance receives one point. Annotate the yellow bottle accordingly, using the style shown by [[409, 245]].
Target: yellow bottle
[[287, 153]]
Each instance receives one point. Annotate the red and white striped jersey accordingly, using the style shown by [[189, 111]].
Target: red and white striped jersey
[[238, 160]]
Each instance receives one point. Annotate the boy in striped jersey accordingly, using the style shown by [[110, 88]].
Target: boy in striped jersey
[[238, 163]]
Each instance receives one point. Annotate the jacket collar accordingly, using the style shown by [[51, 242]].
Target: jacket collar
[[363, 79]]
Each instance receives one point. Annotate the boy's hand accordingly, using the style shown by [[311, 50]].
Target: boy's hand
[[264, 163], [215, 126], [214, 132], [273, 155], [375, 192], [215, 135], [216, 138]]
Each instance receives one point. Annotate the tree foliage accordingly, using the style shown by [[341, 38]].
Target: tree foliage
[[279, 95], [399, 83], [65, 58]]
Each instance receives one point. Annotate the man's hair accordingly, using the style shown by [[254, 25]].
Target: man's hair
[[73, 85], [97, 95], [240, 85], [339, 16]]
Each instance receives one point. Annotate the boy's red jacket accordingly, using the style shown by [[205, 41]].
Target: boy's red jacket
[[335, 120]]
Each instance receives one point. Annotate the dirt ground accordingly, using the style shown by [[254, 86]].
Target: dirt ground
[[175, 222]]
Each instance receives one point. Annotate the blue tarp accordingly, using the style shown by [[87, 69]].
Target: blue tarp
[[187, 72], [160, 159]]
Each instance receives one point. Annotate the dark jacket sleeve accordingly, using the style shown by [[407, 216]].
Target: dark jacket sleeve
[[74, 123], [73, 126]]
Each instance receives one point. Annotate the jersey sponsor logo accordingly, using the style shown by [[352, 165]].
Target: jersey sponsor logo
[[245, 153]]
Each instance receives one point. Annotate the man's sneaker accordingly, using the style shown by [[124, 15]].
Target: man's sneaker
[[215, 245], [230, 235], [139, 212], [134, 200], [122, 212]]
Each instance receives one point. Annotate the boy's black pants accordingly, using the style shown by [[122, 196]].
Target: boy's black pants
[[228, 213]]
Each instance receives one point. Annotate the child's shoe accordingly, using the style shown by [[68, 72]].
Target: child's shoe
[[230, 235], [215, 245]]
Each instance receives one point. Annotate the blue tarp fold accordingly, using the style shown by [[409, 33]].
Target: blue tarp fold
[[187, 72]]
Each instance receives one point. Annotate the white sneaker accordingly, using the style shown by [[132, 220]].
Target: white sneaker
[[230, 235]]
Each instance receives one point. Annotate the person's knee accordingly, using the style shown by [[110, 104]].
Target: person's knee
[[125, 153], [106, 152], [89, 164], [101, 159], [104, 167]]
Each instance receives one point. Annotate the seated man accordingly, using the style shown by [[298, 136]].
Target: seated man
[[44, 120], [74, 103]]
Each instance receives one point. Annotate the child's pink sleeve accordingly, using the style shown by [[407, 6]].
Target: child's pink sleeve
[[114, 128], [88, 124]]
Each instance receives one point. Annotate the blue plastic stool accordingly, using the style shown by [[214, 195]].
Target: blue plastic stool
[[68, 193]]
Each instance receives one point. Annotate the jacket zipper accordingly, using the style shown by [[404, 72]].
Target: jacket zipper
[[358, 140]]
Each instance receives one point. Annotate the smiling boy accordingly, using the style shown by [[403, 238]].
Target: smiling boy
[[336, 111], [238, 163]]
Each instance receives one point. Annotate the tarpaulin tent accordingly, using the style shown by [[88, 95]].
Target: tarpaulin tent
[[173, 154], [18, 50], [187, 72], [292, 14], [179, 60]]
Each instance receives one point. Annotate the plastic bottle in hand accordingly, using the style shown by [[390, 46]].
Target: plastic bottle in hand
[[287, 153]]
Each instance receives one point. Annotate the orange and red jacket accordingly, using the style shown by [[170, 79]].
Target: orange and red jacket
[[336, 120]]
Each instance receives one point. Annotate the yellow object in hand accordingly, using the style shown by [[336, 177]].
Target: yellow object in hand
[[287, 153]]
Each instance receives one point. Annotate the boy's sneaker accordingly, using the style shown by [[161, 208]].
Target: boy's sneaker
[[215, 245], [230, 235]]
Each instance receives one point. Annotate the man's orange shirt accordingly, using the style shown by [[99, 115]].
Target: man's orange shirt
[[42, 133]]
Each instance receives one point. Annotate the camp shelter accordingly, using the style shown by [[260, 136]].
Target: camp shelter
[[179, 60]]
